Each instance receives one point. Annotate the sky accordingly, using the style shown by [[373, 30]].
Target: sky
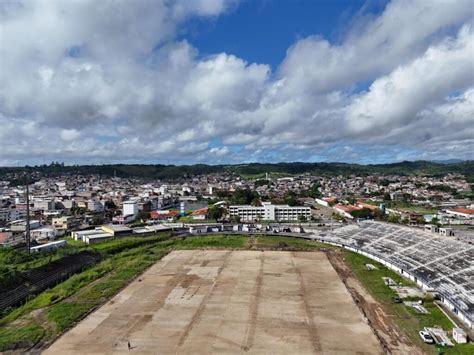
[[228, 81]]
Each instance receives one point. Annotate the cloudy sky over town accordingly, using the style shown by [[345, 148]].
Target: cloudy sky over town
[[217, 81]]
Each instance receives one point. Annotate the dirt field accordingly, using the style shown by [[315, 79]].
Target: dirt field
[[228, 302]]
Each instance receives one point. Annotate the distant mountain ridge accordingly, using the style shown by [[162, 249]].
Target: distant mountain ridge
[[160, 171]]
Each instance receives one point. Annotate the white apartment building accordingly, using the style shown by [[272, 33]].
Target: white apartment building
[[130, 208], [270, 212]]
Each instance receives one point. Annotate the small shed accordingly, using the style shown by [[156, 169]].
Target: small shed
[[459, 335]]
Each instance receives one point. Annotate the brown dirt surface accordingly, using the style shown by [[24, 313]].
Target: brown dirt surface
[[203, 301]]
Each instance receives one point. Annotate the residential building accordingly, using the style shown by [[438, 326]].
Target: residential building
[[65, 223], [130, 208], [200, 214], [44, 233]]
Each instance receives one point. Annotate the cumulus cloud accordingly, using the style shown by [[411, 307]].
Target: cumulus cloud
[[395, 99], [112, 81]]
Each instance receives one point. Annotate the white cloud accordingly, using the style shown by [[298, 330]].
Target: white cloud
[[394, 100], [70, 134], [112, 80]]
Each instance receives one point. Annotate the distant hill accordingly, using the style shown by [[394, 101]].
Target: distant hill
[[447, 161], [251, 169]]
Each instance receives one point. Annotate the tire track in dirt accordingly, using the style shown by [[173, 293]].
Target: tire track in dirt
[[140, 321], [312, 329], [253, 310], [197, 315]]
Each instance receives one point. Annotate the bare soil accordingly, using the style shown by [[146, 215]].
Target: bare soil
[[260, 302]]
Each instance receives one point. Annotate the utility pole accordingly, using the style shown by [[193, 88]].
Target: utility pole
[[27, 227]]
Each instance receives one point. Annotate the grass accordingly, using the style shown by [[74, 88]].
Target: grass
[[405, 317], [67, 302], [189, 219], [20, 337], [282, 242], [65, 313], [211, 241]]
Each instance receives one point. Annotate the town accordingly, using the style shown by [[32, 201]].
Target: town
[[101, 207]]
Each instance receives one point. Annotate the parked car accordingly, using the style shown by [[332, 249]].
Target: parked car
[[426, 337]]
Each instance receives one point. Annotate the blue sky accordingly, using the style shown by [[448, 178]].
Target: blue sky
[[261, 31], [228, 81]]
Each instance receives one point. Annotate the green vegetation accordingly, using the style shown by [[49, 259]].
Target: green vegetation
[[215, 212], [62, 305], [290, 198], [253, 170], [442, 188], [243, 197], [210, 241], [271, 242], [405, 317]]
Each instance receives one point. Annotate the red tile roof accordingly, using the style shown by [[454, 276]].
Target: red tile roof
[[463, 210], [201, 211]]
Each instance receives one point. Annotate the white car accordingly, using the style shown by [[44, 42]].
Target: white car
[[426, 337]]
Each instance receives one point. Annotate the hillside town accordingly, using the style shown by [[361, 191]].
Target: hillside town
[[64, 204]]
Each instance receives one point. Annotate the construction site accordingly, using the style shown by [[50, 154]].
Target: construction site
[[228, 301]]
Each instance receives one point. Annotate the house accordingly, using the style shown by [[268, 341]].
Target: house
[[200, 214], [8, 239], [20, 226], [345, 210], [65, 223], [362, 204], [464, 213], [44, 233], [163, 215]]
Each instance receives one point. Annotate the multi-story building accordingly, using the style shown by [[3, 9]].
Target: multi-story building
[[8, 239], [12, 214], [270, 212], [65, 223], [130, 208]]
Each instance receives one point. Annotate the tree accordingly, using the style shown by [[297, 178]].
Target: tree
[[243, 196], [379, 214], [109, 204], [262, 182], [143, 215], [394, 218], [314, 190], [256, 202], [302, 218], [97, 219], [362, 213], [290, 198], [235, 219], [386, 197], [351, 199], [435, 221], [215, 212]]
